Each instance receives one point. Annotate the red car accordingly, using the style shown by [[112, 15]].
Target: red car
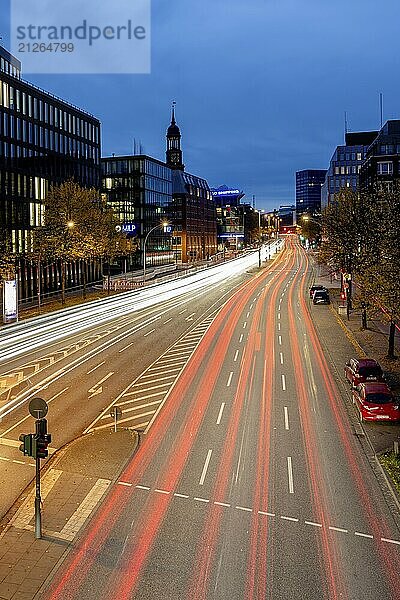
[[361, 370], [375, 402]]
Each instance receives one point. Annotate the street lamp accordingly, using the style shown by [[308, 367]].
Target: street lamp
[[160, 226]]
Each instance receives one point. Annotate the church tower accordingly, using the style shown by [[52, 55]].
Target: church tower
[[174, 152]]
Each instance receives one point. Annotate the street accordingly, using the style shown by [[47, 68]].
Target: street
[[250, 482]]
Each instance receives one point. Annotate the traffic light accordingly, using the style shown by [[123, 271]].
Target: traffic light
[[42, 439], [27, 446]]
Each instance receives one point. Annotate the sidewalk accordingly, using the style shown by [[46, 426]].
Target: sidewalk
[[72, 485], [371, 343]]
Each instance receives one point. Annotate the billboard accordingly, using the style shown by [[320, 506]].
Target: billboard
[[10, 301]]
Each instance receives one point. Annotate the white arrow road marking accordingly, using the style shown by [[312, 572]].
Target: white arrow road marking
[[98, 388]]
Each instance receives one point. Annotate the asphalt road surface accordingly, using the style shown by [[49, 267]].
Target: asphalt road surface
[[249, 482]]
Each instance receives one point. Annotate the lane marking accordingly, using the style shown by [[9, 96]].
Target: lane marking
[[267, 514], [244, 325], [143, 487], [365, 535], [167, 321], [279, 326], [166, 492], [204, 472], [241, 337], [280, 340], [126, 348], [96, 367], [313, 524], [200, 499], [182, 311], [181, 495], [281, 357], [236, 356], [149, 332], [283, 383], [279, 315], [338, 529], [229, 379], [222, 504], [248, 314], [221, 410], [290, 474], [244, 508], [290, 519], [125, 483], [285, 409], [390, 541]]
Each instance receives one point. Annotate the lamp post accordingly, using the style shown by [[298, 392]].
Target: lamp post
[[165, 224]]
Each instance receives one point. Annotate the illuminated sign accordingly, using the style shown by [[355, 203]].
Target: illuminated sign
[[226, 193], [232, 235], [10, 305], [129, 228], [168, 228]]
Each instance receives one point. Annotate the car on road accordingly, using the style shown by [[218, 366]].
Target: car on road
[[314, 288], [362, 370], [321, 297], [376, 402]]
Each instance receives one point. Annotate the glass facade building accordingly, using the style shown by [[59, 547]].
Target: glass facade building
[[308, 191], [345, 165], [43, 141], [139, 189]]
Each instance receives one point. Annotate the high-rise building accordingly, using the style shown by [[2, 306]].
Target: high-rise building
[[43, 141], [139, 189], [308, 191], [230, 222], [345, 164], [382, 158], [192, 208]]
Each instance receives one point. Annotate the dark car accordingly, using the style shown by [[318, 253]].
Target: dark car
[[375, 402], [314, 288], [362, 370], [321, 297]]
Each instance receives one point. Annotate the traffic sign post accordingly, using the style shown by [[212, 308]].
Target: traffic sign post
[[115, 413]]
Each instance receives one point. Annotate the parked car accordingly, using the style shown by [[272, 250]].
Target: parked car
[[321, 297], [361, 370], [376, 402], [313, 288]]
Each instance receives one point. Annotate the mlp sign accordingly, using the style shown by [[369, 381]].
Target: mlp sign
[[129, 228]]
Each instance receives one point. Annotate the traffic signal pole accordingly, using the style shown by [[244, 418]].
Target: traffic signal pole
[[38, 500]]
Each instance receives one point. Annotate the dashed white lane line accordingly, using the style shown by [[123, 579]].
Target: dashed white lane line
[[167, 321], [149, 332], [280, 340], [290, 474], [204, 471], [248, 314], [241, 338], [286, 413], [279, 315], [166, 492], [281, 357], [221, 410], [125, 483], [182, 311], [181, 495], [283, 383], [289, 519], [123, 349], [244, 508], [390, 541], [228, 383], [222, 504], [236, 356], [245, 325], [366, 535], [200, 499], [279, 326], [97, 366], [340, 529], [143, 487], [313, 523]]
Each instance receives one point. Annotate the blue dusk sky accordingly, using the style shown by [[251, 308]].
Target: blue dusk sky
[[261, 86]]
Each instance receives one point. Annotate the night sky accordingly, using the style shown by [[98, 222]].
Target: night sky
[[261, 87]]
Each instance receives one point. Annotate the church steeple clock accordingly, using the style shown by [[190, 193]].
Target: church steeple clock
[[174, 152]]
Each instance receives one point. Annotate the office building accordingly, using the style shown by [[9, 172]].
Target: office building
[[382, 158], [43, 141], [139, 189], [345, 164], [230, 225], [308, 191]]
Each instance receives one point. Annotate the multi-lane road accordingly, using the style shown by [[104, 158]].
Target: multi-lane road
[[249, 482]]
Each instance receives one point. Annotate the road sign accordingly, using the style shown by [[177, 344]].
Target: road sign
[[38, 408], [116, 412]]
